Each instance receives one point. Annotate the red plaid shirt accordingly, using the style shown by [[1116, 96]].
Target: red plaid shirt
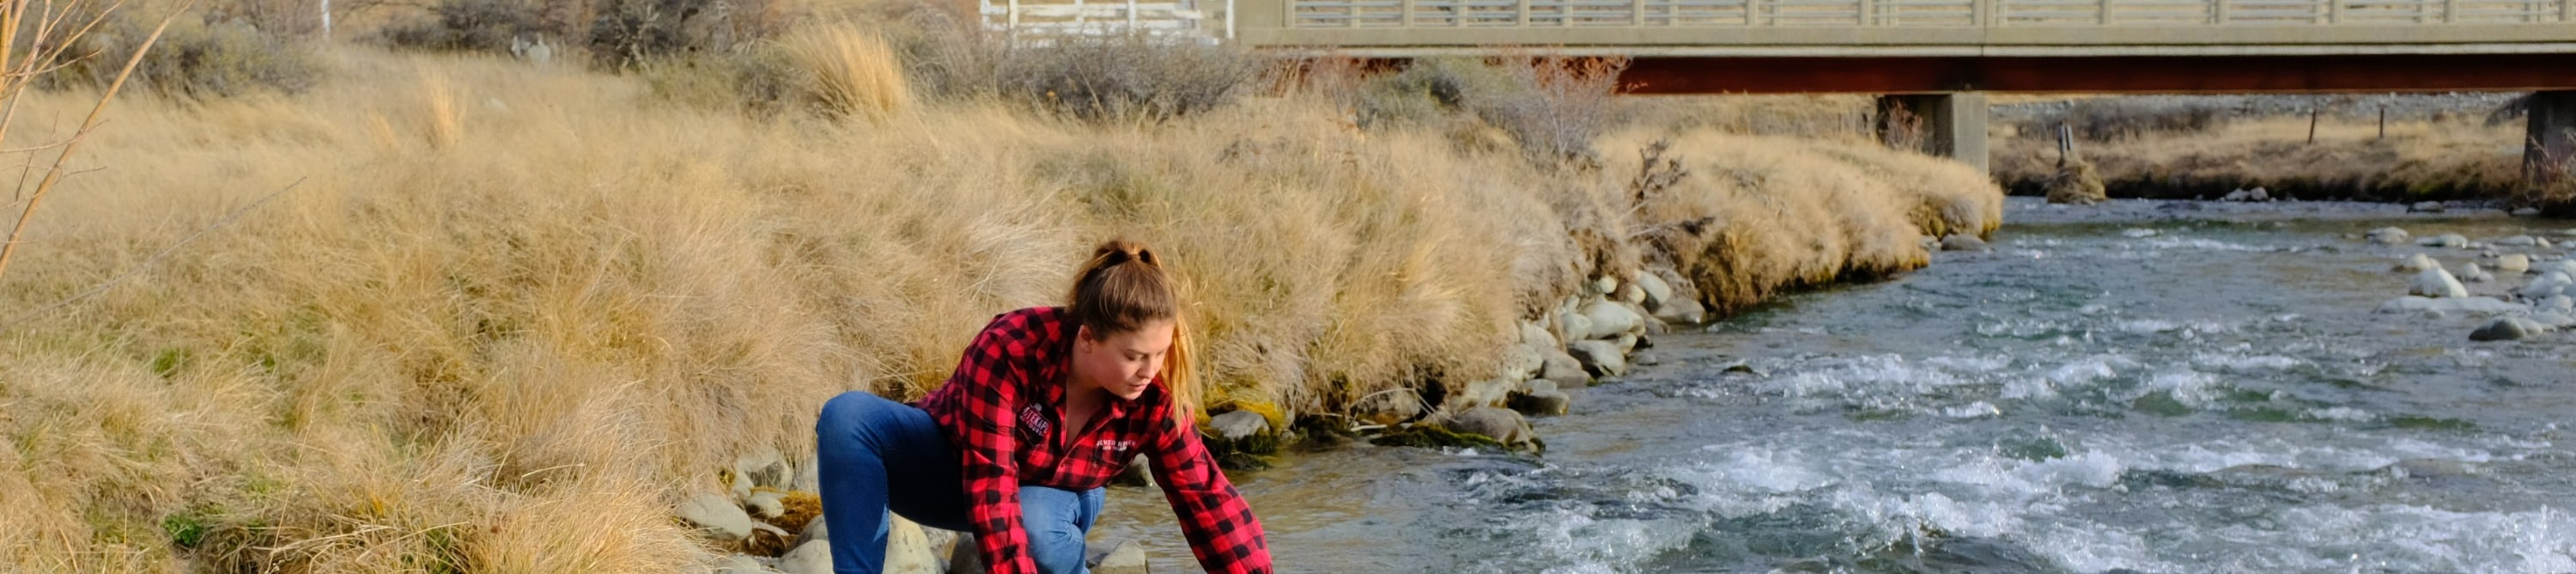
[[1004, 409]]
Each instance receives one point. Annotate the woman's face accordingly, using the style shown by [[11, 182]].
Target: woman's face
[[1122, 363]]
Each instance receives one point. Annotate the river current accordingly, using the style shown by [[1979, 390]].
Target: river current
[[2142, 387]]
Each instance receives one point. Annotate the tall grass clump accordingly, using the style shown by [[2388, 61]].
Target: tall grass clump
[[200, 56], [854, 73]]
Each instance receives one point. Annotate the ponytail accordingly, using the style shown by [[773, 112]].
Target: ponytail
[[1122, 288]]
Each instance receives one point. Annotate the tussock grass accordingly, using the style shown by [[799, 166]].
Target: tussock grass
[[855, 73], [2459, 159], [515, 313]]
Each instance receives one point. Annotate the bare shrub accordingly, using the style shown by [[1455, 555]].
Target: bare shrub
[[194, 59], [1125, 77], [620, 34], [1552, 106], [2124, 119], [474, 26]]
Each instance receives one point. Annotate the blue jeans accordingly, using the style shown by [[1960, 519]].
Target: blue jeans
[[878, 456]]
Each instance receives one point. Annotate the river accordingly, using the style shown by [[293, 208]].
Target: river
[[2143, 387]]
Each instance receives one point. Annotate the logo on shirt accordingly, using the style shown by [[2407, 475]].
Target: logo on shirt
[[1114, 445], [1034, 419]]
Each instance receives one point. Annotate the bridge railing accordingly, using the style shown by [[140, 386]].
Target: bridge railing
[[1914, 13], [1039, 19]]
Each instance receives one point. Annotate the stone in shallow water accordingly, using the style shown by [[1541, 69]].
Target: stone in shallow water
[[2437, 283], [1601, 358], [1118, 557], [2417, 263], [2388, 236], [2474, 305], [2446, 240], [1964, 242], [2509, 329], [2512, 263], [2427, 207], [2526, 212], [1503, 426]]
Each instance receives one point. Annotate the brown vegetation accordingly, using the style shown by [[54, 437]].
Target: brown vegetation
[[2457, 158], [516, 312]]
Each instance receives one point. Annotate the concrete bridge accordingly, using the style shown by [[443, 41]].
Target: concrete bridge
[[1934, 57]]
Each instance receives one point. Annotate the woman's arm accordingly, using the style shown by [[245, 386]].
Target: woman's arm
[[1221, 529], [989, 449]]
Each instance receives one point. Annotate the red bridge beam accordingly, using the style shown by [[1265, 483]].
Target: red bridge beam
[[2103, 74]]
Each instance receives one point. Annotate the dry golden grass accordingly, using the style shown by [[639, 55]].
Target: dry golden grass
[[2418, 160], [514, 313], [854, 72]]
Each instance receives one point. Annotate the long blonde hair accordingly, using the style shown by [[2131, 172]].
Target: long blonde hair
[[1121, 289]]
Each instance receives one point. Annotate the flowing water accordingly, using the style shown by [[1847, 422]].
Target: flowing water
[[2145, 387]]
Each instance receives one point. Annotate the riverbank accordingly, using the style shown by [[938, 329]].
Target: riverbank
[[2436, 147], [506, 316]]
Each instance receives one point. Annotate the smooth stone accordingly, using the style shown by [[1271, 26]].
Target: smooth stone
[[1522, 362], [1601, 358], [1964, 242], [764, 467], [2517, 241], [2433, 282], [2513, 263], [740, 564], [2417, 263], [1239, 425], [1611, 319], [2138, 233], [2472, 305], [815, 529], [1138, 473], [1682, 312], [2508, 329], [1605, 285], [2446, 240], [1576, 326], [1562, 367], [816, 558], [1542, 403], [2554, 319], [2558, 304], [2426, 207], [717, 517], [1502, 425], [1119, 557], [1535, 335], [1657, 291], [1629, 293], [2388, 236], [1483, 393], [2256, 194], [2471, 273], [2526, 212], [766, 503]]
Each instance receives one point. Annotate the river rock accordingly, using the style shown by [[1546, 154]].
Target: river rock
[[2417, 263], [2388, 236], [2512, 263], [1536, 336], [2471, 305], [2553, 319], [1612, 319], [740, 564], [1138, 473], [2430, 283], [2558, 304], [815, 529], [2517, 241], [2446, 240], [717, 517], [908, 550], [1522, 361], [1657, 291], [1576, 326], [1502, 425], [2471, 273], [767, 503], [1562, 367], [1964, 242], [1236, 426], [2549, 284], [1540, 397], [2508, 329], [1117, 557], [816, 558], [1629, 293], [2256, 194], [1601, 358], [1682, 312], [2426, 207], [2526, 212]]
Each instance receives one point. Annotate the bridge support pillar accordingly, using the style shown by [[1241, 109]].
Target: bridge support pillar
[[2549, 144], [1949, 125]]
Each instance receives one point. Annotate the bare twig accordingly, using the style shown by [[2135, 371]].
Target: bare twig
[[96, 113]]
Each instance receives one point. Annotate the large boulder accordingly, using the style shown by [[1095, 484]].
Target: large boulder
[[717, 517], [1601, 358], [1574, 325], [1612, 319], [1502, 425], [1562, 367], [2508, 329], [2388, 236], [1540, 397], [2433, 282], [1117, 557]]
